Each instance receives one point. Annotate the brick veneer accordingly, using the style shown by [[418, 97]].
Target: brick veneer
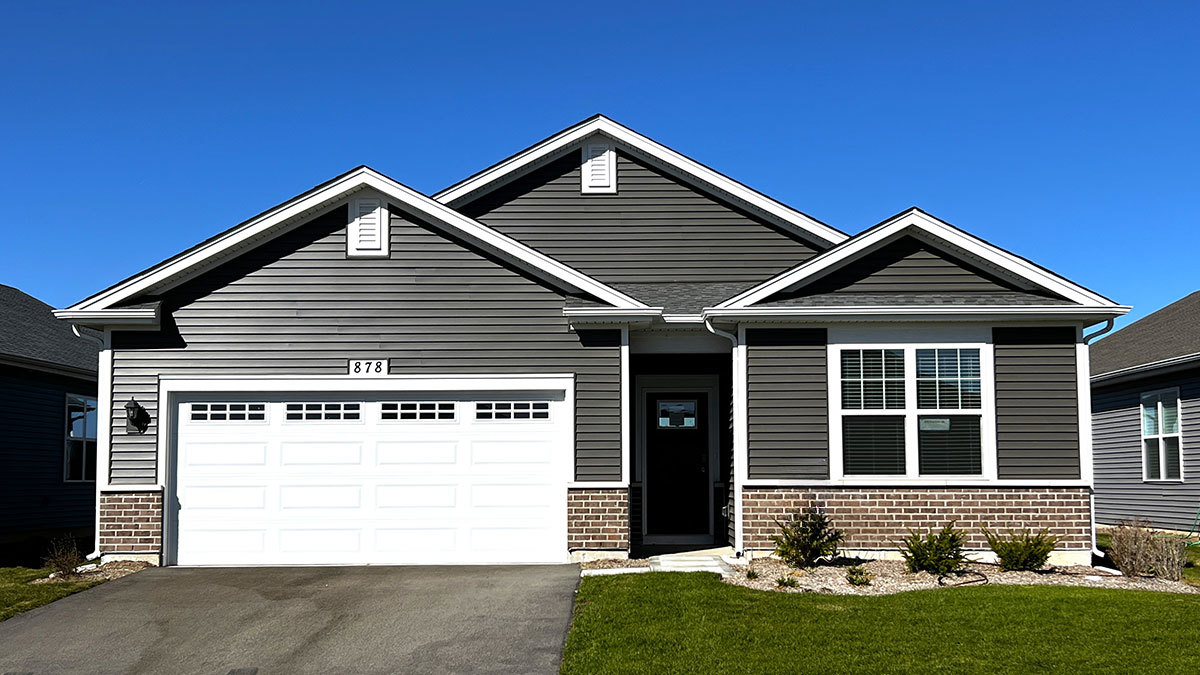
[[131, 522], [875, 518], [598, 518]]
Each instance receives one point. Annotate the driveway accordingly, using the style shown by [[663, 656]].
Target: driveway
[[261, 621]]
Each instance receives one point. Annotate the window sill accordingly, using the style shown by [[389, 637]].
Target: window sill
[[1166, 481]]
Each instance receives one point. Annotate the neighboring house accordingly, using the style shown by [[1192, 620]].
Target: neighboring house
[[595, 345], [48, 421], [1145, 408]]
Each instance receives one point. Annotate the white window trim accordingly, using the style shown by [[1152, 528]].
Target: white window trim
[[910, 411], [353, 250], [94, 438], [1162, 457]]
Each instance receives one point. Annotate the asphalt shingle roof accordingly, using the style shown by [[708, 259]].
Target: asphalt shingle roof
[[869, 299], [684, 298], [29, 331], [1172, 331]]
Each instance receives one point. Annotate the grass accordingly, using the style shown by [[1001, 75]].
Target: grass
[[1191, 571], [18, 595], [694, 623]]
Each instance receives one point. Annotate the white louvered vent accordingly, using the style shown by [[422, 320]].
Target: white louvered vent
[[599, 168], [367, 232]]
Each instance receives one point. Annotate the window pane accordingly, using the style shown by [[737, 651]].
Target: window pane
[[872, 363], [873, 445], [1151, 459], [1170, 448], [894, 393], [948, 394], [926, 363], [947, 362], [851, 364], [971, 396], [75, 460], [949, 445], [852, 395], [1150, 416], [968, 363], [927, 395], [76, 418], [872, 394], [893, 363], [1170, 415], [89, 460]]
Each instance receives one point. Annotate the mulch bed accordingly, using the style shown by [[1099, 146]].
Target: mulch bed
[[112, 570], [890, 576], [614, 563]]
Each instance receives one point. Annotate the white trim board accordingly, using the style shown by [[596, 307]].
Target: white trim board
[[675, 163], [295, 211], [935, 232]]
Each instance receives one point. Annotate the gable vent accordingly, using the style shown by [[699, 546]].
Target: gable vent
[[367, 232], [599, 168]]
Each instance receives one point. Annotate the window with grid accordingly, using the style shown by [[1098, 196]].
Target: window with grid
[[228, 412], [1161, 436], [418, 411], [323, 412], [80, 453], [512, 410], [872, 379]]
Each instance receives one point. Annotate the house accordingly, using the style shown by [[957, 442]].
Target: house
[[48, 451], [594, 345], [1145, 392]]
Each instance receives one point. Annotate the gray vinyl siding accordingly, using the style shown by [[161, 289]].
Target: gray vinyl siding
[[654, 229], [1037, 403], [33, 495], [786, 372], [1117, 450], [296, 306]]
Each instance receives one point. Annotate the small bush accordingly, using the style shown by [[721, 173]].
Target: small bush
[[1021, 550], [1132, 547], [807, 539], [1168, 556], [751, 575], [63, 556], [858, 576], [787, 582], [939, 553]]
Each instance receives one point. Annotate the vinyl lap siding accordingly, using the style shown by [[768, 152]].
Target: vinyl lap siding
[[1117, 449], [297, 306], [654, 229], [788, 405], [1037, 422], [33, 495]]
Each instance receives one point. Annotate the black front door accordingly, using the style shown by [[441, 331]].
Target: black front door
[[677, 482]]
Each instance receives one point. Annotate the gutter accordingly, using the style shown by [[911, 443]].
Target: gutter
[[1096, 552], [96, 535]]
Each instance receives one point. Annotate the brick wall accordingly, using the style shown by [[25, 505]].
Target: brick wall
[[131, 522], [598, 518], [875, 518]]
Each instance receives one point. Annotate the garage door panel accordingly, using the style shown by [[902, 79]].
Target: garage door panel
[[281, 491]]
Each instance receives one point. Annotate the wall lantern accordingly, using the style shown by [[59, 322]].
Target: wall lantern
[[137, 420]]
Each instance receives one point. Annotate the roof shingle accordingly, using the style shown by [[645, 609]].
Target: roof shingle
[[29, 331], [1165, 334]]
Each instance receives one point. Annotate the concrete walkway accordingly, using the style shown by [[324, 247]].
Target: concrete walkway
[[693, 561]]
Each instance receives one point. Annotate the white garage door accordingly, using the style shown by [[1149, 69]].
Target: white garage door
[[345, 479]]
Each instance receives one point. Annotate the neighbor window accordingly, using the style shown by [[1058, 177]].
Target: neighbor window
[[1161, 436], [80, 455], [911, 411]]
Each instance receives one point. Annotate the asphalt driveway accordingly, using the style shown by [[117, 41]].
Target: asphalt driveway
[[302, 620]]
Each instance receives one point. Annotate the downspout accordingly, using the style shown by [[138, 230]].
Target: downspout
[[96, 535], [737, 474], [1108, 326]]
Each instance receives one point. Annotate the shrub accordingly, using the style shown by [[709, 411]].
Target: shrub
[[939, 553], [63, 556], [806, 539], [1021, 550], [751, 575], [787, 582], [858, 576], [1168, 556], [1132, 547]]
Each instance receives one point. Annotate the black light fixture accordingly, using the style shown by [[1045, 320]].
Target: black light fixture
[[137, 420]]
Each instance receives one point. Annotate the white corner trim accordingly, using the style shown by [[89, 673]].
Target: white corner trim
[[679, 165], [1084, 413], [917, 222], [104, 396], [741, 436], [626, 413], [252, 231]]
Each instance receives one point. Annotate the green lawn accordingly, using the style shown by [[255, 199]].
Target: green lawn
[[693, 623], [1191, 572], [18, 595]]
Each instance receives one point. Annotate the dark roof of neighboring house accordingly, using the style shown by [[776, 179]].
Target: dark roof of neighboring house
[[29, 332], [1171, 332]]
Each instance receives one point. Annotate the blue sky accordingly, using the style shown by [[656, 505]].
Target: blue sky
[[1065, 132]]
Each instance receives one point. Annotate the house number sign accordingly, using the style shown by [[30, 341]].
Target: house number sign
[[368, 368]]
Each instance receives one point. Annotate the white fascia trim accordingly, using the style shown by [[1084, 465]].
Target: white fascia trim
[[361, 178], [683, 318], [611, 315], [914, 482], [679, 164], [1134, 370], [110, 317], [920, 312], [916, 222]]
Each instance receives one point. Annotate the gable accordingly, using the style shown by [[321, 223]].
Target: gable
[[654, 229], [908, 270]]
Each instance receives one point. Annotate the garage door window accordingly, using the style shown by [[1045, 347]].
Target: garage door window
[[512, 410], [324, 412], [418, 411], [229, 412]]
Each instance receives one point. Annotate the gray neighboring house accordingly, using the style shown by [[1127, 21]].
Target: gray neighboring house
[[48, 419], [594, 347], [1145, 408]]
